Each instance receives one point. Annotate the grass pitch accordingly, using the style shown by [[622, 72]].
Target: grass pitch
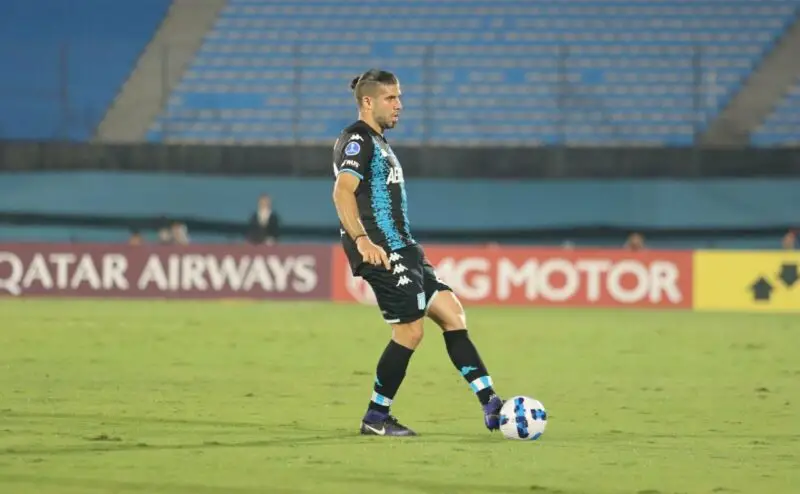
[[202, 398]]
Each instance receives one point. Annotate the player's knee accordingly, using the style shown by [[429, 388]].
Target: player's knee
[[408, 334], [448, 313], [452, 321]]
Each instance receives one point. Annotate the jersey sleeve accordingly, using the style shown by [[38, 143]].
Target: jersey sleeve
[[354, 155]]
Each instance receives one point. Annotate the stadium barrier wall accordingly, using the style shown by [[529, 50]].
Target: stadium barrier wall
[[437, 205], [105, 207], [523, 162], [749, 281]]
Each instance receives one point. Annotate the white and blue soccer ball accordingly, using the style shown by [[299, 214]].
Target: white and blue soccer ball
[[523, 418]]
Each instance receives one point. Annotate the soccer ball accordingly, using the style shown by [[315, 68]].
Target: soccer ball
[[522, 418]]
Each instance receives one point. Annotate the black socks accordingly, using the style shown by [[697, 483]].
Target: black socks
[[465, 357], [389, 375]]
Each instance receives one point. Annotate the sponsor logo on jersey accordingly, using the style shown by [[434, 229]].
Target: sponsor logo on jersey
[[356, 137], [395, 176], [352, 163]]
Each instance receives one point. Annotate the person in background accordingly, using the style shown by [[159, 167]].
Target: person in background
[[790, 240], [264, 225], [635, 242], [180, 234], [135, 238], [164, 236]]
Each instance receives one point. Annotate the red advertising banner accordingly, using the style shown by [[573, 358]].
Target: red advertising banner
[[194, 271], [547, 277], [479, 275]]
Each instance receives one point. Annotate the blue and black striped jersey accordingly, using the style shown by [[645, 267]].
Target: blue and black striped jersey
[[381, 194]]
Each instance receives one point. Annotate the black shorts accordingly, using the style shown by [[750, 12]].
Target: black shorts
[[405, 292]]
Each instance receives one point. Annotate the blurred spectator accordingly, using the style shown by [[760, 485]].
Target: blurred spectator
[[635, 242], [164, 236], [180, 234], [135, 238], [790, 240], [264, 225]]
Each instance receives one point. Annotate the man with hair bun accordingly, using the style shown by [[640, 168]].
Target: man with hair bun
[[371, 202]]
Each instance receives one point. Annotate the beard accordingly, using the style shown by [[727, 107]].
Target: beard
[[388, 123]]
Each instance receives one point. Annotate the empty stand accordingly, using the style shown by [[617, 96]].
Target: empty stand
[[591, 72], [782, 127], [62, 62]]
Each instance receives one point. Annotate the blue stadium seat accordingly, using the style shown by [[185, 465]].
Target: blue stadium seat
[[581, 72], [782, 126], [63, 62]]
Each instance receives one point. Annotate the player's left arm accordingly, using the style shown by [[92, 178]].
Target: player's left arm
[[344, 198], [351, 166], [351, 169], [355, 156]]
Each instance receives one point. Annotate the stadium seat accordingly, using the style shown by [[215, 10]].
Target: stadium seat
[[62, 63], [782, 126], [583, 72]]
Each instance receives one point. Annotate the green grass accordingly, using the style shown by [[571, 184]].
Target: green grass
[[202, 398]]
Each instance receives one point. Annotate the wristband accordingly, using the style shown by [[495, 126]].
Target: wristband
[[355, 239]]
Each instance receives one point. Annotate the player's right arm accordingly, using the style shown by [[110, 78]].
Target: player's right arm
[[350, 168]]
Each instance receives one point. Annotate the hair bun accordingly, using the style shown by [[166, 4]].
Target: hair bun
[[354, 82]]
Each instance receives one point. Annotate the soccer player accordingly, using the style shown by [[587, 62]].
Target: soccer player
[[370, 198]]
